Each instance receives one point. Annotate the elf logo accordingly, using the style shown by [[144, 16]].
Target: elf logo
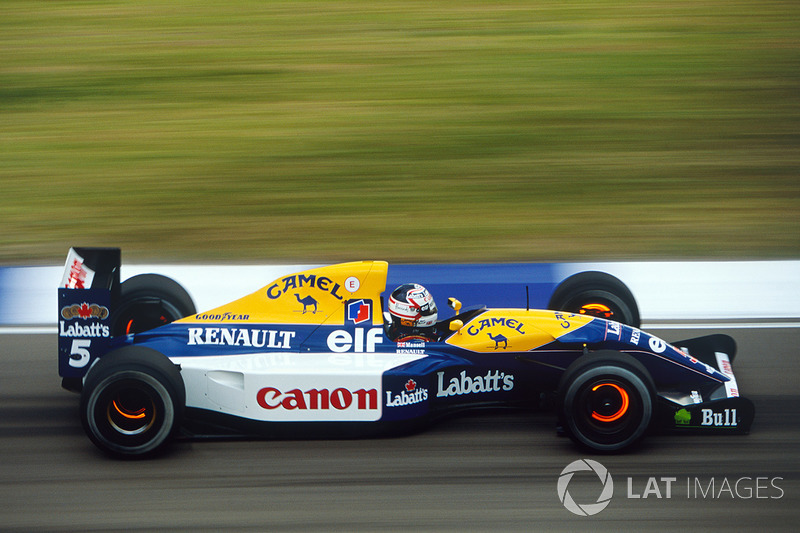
[[359, 340]]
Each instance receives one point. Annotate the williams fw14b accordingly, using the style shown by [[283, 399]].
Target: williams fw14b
[[332, 352]]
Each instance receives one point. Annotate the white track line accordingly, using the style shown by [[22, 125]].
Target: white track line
[[722, 325], [788, 324], [28, 330]]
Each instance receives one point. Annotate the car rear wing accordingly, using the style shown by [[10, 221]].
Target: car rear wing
[[87, 293]]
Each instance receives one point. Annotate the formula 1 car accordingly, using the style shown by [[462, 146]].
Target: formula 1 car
[[308, 356]]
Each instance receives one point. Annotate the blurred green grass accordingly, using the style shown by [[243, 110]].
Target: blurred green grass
[[400, 130]]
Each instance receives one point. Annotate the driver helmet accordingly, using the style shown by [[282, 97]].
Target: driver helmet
[[412, 311]]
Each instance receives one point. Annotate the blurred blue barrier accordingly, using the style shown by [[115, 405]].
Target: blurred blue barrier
[[664, 290]]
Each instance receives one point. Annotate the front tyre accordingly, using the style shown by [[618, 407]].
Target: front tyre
[[132, 402], [606, 401], [596, 294]]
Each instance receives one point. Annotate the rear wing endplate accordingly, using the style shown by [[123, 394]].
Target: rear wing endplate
[[86, 296]]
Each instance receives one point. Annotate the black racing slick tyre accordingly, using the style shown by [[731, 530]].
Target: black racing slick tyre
[[132, 402], [147, 301], [606, 401], [596, 294]]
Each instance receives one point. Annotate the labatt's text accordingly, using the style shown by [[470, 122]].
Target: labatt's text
[[409, 397], [493, 381], [77, 330]]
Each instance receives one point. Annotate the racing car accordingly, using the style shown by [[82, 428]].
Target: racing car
[[315, 354]]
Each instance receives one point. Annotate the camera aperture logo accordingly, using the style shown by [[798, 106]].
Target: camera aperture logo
[[585, 509], [660, 487]]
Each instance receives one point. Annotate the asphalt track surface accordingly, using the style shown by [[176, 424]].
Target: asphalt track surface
[[488, 471]]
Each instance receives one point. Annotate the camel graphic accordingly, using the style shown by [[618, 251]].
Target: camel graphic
[[307, 302], [498, 339]]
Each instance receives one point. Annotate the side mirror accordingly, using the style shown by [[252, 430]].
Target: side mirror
[[455, 304], [456, 325]]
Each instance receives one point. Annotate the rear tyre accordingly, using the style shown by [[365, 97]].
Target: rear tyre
[[596, 294], [147, 301], [606, 401], [132, 402]]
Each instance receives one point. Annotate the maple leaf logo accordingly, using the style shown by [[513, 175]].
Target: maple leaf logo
[[85, 311], [411, 385]]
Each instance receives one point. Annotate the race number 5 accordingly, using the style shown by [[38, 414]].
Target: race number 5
[[79, 355]]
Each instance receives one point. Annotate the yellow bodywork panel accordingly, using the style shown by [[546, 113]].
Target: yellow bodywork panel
[[515, 330], [311, 297]]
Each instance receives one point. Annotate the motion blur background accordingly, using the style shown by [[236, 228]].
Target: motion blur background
[[402, 130]]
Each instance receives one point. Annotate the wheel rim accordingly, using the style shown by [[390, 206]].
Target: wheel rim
[[597, 309], [601, 304], [610, 402], [144, 315], [608, 412], [131, 414], [607, 407]]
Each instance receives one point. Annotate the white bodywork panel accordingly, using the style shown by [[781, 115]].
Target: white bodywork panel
[[290, 387]]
